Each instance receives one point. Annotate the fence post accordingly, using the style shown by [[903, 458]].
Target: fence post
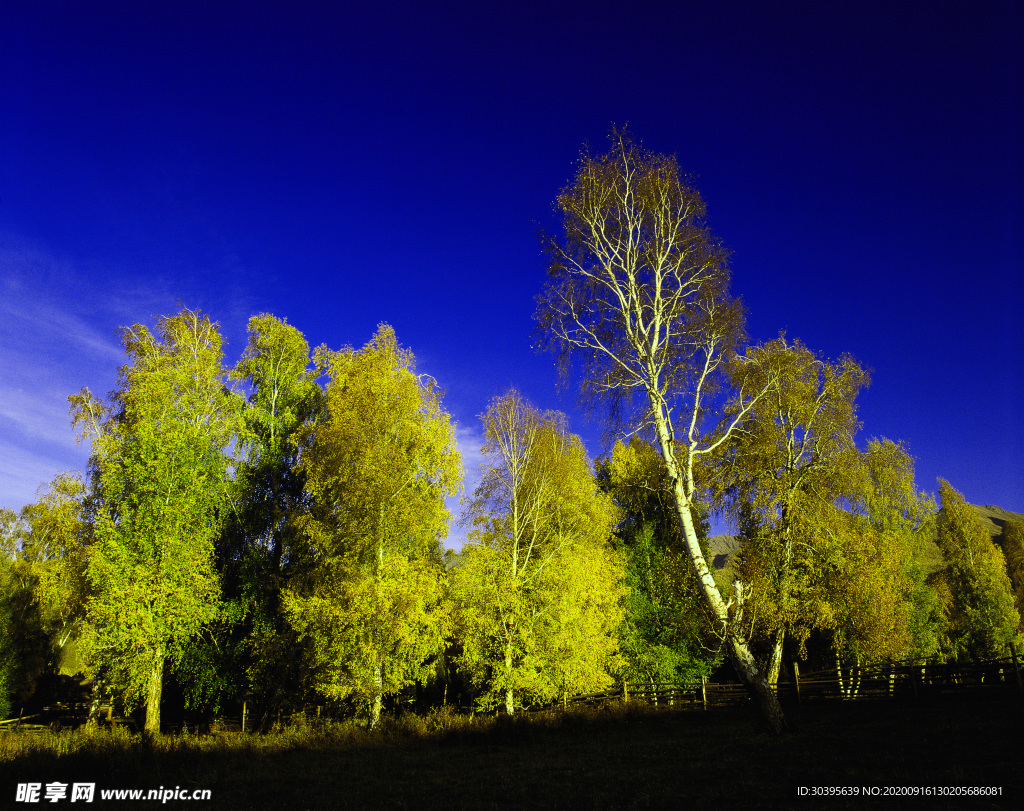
[[1016, 667], [704, 691], [913, 680], [244, 709], [625, 692], [796, 679]]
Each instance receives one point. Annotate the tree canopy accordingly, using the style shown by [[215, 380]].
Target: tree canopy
[[638, 294]]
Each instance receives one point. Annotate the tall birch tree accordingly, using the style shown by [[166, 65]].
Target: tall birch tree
[[638, 293], [250, 651], [161, 461], [538, 590]]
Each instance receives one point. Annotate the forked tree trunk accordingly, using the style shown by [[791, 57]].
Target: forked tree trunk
[[726, 626], [154, 693]]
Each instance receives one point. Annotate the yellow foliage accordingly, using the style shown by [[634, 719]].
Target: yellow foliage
[[378, 463], [538, 593]]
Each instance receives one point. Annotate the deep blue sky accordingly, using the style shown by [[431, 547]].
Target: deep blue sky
[[341, 165]]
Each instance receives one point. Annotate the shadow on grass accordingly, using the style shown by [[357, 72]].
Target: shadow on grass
[[619, 757]]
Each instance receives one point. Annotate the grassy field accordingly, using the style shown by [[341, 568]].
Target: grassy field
[[620, 757]]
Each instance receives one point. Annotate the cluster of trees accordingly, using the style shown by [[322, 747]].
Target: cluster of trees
[[273, 532], [638, 307]]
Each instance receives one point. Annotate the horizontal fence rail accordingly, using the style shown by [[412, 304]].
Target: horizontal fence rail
[[896, 680]]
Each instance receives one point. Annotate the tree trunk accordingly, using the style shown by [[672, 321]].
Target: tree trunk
[[378, 695], [93, 719], [153, 695], [509, 698], [757, 685], [775, 661], [725, 626]]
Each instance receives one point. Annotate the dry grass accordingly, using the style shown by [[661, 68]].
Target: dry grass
[[619, 757]]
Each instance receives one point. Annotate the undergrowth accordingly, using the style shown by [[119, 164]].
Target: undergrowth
[[305, 733]]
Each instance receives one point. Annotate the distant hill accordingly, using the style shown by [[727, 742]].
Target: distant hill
[[722, 551], [995, 518]]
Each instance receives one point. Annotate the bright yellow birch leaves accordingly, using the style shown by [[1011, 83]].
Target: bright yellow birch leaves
[[379, 462]]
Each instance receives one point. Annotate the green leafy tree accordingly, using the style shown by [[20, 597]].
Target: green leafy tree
[[161, 462], [538, 590], [1013, 550], [55, 545], [249, 650], [368, 593], [982, 617], [664, 634], [9, 588], [42, 587]]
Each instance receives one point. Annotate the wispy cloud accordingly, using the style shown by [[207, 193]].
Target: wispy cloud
[[469, 440], [37, 415], [24, 470], [58, 325]]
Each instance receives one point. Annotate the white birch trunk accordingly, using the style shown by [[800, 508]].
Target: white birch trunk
[[730, 632], [378, 695], [154, 694]]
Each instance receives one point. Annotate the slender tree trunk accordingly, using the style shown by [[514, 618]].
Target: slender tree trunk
[[509, 697], [378, 693], [93, 719], [775, 661], [839, 676], [154, 693]]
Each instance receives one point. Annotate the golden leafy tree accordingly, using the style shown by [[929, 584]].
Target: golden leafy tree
[[1013, 550], [791, 462], [368, 593], [161, 460], [538, 590], [982, 618]]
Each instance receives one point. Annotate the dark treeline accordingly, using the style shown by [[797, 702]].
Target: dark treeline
[[272, 532]]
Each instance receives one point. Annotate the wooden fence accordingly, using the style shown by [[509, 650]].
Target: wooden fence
[[907, 680]]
